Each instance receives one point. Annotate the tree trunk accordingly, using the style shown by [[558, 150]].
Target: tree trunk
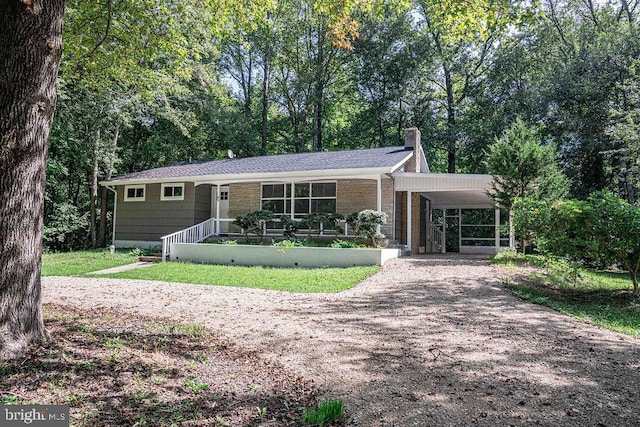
[[265, 102], [104, 199], [247, 87], [317, 118], [451, 121], [94, 192], [30, 49], [634, 279], [318, 100]]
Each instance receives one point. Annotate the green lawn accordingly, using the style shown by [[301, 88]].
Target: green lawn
[[80, 262], [282, 279], [600, 297]]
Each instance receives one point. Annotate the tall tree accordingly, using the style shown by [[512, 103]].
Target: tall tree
[[462, 40], [30, 49], [522, 167]]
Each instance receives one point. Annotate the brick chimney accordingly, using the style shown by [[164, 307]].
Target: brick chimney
[[412, 140]]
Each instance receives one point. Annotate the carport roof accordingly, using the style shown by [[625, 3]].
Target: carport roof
[[448, 190]]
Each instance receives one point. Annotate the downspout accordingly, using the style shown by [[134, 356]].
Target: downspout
[[115, 208]]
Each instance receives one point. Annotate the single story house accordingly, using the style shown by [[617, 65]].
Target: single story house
[[428, 212]]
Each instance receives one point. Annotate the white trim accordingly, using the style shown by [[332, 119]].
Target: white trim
[[172, 185], [297, 176], [136, 187], [402, 162]]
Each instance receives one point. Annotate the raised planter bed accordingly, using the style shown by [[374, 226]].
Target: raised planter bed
[[276, 256]]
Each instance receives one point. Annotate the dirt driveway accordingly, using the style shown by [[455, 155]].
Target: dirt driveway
[[427, 341]]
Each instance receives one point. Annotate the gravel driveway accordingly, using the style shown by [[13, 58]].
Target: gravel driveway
[[432, 340]]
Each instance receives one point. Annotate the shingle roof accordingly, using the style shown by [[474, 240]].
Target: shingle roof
[[386, 157]]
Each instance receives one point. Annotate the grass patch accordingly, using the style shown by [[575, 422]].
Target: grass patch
[[80, 262], [110, 370], [326, 413], [603, 298], [282, 279]]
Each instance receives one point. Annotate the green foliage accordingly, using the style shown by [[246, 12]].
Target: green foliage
[[522, 167], [194, 384], [184, 81], [604, 228], [556, 227], [253, 223], [283, 279], [615, 225], [289, 226], [326, 413], [290, 243], [347, 244], [327, 222], [66, 228], [364, 224]]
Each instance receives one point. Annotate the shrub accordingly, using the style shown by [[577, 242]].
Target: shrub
[[604, 229], [289, 226], [365, 224], [253, 223]]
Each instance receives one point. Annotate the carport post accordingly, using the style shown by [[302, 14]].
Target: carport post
[[379, 198], [443, 248], [409, 219], [497, 230], [217, 209]]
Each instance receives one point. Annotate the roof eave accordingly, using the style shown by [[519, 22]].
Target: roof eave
[[253, 177]]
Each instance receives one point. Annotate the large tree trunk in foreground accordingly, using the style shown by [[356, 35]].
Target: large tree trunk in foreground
[[30, 49]]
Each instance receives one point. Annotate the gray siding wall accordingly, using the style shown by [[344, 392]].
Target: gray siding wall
[[154, 218], [202, 207]]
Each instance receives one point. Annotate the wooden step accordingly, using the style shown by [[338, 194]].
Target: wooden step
[[150, 258]]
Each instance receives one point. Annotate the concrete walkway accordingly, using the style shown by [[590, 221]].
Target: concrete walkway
[[428, 341], [127, 267]]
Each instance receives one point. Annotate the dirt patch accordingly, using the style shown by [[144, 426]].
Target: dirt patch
[[434, 340], [119, 369]]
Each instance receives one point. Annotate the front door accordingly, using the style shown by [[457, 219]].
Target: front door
[[223, 200]]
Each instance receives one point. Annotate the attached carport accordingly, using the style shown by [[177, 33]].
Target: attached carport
[[448, 212]]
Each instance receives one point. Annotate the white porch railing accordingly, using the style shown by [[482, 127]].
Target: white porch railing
[[437, 237], [194, 234]]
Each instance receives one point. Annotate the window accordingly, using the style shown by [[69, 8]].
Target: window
[[134, 193], [224, 195], [315, 197], [172, 192], [276, 198]]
